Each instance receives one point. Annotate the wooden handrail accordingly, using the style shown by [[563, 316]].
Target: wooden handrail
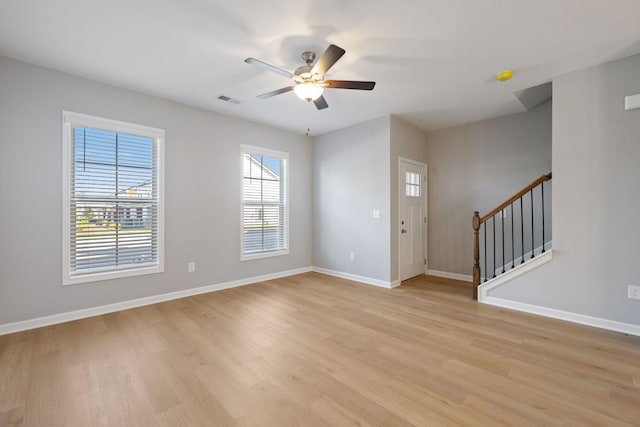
[[516, 196], [477, 221]]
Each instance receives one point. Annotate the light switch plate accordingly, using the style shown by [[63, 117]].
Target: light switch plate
[[376, 213], [632, 102], [634, 292]]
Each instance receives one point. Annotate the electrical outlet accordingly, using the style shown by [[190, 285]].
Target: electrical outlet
[[191, 267], [352, 256], [634, 292]]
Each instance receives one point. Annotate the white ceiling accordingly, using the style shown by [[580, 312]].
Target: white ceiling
[[433, 60]]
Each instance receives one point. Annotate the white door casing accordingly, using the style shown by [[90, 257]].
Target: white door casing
[[412, 218]]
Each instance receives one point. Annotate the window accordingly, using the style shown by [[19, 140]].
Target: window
[[412, 184], [112, 189], [265, 205]]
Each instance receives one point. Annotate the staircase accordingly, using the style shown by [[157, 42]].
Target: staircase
[[512, 234]]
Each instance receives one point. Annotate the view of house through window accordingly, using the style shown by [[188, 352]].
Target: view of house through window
[[114, 199], [264, 203], [412, 184]]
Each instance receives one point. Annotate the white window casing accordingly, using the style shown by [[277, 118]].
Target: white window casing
[[113, 211]]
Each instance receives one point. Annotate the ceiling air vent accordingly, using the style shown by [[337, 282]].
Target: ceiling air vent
[[227, 99]]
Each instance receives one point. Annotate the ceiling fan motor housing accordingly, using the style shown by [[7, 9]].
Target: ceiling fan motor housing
[[303, 74], [305, 70]]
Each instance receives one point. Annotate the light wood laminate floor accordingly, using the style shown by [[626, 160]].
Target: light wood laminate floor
[[313, 350]]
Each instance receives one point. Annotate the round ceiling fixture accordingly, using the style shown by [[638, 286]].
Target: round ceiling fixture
[[503, 76], [309, 91]]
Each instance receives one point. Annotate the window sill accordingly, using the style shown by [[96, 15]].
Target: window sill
[[249, 257], [95, 277]]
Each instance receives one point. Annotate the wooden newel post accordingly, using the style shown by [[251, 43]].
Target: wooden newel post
[[476, 253]]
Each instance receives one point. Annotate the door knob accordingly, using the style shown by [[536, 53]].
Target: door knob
[[403, 231]]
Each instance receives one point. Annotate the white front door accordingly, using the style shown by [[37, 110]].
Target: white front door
[[412, 225]]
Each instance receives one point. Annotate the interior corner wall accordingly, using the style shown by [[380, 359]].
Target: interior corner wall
[[411, 143], [350, 181], [596, 154], [476, 167], [202, 192]]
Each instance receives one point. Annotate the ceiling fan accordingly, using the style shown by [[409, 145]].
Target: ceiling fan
[[309, 82]]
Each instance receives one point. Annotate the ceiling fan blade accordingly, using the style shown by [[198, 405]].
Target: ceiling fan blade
[[349, 84], [275, 92], [328, 58], [269, 67], [321, 103]]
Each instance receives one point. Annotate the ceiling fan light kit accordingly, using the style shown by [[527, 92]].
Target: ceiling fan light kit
[[308, 91], [309, 82]]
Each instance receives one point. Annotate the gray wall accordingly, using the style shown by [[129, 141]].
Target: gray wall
[[409, 142], [596, 175], [476, 167], [350, 180], [202, 194]]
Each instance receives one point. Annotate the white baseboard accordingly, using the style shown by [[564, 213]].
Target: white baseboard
[[38, 322], [612, 325], [356, 278], [448, 275], [396, 283], [519, 270]]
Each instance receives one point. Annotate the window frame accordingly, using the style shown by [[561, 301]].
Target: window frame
[[410, 184], [282, 155], [69, 120]]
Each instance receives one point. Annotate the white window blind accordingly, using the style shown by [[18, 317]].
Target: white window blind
[[113, 212], [264, 203]]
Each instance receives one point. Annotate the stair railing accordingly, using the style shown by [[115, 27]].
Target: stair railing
[[526, 221]]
